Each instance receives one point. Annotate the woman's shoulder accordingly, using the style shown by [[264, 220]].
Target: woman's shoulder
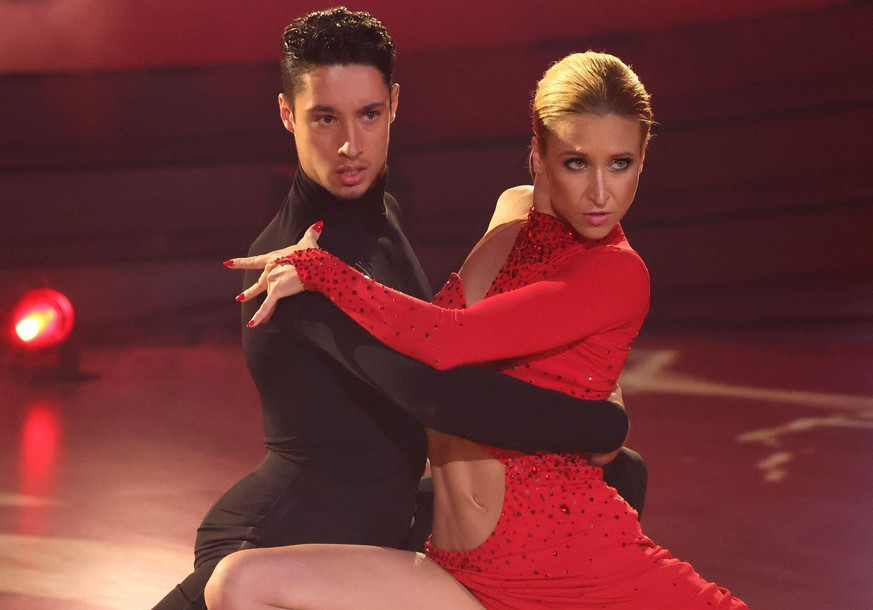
[[513, 204], [615, 260]]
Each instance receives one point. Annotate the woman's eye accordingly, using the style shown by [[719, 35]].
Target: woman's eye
[[622, 164], [575, 163]]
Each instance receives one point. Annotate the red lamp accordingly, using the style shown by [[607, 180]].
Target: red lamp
[[42, 318], [39, 326]]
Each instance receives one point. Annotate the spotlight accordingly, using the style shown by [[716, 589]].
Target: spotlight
[[42, 318], [39, 327]]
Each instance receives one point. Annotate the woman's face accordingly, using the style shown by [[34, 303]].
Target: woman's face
[[590, 170]]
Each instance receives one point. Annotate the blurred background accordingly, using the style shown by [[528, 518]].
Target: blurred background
[[140, 146]]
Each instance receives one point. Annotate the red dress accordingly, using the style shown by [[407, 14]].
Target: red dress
[[561, 314]]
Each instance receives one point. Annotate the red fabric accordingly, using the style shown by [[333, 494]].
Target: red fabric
[[568, 294], [561, 313]]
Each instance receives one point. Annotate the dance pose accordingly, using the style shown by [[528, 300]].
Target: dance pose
[[554, 300], [343, 420]]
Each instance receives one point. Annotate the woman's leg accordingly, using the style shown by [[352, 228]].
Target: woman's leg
[[313, 576]]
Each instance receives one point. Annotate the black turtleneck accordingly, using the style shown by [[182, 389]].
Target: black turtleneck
[[330, 390]]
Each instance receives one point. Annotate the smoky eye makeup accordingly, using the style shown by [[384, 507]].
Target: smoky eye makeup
[[623, 163]]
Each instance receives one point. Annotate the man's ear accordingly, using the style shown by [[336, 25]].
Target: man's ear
[[394, 99], [286, 113]]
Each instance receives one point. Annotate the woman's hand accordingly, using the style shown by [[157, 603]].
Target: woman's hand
[[309, 240], [278, 279]]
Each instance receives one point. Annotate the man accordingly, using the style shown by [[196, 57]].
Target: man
[[342, 413]]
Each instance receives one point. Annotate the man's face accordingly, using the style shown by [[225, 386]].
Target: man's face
[[341, 120]]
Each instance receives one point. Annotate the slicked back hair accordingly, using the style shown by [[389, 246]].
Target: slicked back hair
[[336, 36]]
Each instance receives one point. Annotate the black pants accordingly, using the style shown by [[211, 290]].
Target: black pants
[[266, 509], [282, 503]]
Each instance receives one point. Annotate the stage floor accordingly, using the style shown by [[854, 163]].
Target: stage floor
[[759, 456]]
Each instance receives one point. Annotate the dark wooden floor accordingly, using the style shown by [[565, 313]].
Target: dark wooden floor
[[759, 456]]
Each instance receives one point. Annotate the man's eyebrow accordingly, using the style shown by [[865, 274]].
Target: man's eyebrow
[[332, 110], [321, 108]]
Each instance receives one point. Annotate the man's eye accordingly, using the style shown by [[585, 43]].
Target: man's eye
[[372, 115], [326, 119]]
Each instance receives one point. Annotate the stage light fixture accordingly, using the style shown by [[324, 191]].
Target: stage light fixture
[[39, 326], [42, 318]]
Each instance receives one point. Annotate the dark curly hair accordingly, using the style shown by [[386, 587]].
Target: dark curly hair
[[330, 37]]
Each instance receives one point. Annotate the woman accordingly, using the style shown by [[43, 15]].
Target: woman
[[554, 299]]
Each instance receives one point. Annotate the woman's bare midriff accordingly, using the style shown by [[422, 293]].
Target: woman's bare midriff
[[469, 488], [468, 482]]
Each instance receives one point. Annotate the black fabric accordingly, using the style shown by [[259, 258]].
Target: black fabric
[[628, 474], [343, 461], [474, 403]]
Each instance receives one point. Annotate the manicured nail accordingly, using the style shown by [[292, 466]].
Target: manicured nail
[[318, 226], [250, 323], [240, 297], [228, 263]]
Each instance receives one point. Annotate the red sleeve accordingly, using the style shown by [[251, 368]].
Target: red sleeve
[[603, 289]]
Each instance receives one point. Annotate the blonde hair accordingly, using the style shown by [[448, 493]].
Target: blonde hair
[[590, 83]]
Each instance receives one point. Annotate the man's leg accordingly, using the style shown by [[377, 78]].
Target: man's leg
[[188, 595], [628, 474]]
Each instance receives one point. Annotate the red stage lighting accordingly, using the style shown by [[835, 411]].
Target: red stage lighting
[[42, 318]]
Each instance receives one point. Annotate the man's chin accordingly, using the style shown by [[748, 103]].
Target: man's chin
[[351, 193]]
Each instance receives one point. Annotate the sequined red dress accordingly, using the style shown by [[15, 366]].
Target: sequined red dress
[[561, 314]]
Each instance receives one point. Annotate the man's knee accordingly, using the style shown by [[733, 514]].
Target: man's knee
[[629, 475]]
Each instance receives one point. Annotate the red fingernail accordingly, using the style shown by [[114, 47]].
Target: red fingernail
[[240, 296], [318, 226], [250, 323], [228, 263]]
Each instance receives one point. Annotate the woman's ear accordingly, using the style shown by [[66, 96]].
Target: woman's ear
[[536, 163], [643, 156]]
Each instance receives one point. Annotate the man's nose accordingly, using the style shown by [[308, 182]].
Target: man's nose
[[351, 144]]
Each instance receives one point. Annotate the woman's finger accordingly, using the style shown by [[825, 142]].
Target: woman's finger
[[258, 287], [251, 262], [264, 312], [309, 240]]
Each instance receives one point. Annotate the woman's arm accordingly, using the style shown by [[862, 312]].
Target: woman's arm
[[605, 289], [481, 405]]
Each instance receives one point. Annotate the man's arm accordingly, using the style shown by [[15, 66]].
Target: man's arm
[[479, 404]]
